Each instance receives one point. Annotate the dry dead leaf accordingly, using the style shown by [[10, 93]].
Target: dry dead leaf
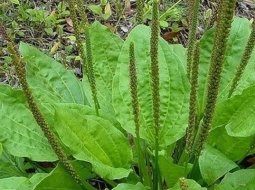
[[170, 35], [55, 47], [107, 9], [252, 20], [53, 13], [251, 160], [69, 26], [69, 21], [110, 26], [127, 5]]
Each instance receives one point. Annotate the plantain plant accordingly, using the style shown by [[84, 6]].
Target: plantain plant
[[146, 115]]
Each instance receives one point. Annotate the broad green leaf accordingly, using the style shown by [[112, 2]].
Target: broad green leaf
[[103, 2], [20, 134], [170, 171], [125, 186], [84, 170], [174, 88], [9, 170], [95, 8], [239, 180], [239, 112], [87, 111], [106, 48], [192, 185], [235, 148], [11, 166], [95, 140], [21, 183], [1, 149], [105, 16], [45, 100], [234, 120], [58, 179], [31, 183], [236, 44], [213, 164], [11, 183], [46, 74]]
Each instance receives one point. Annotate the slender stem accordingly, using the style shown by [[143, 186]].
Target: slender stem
[[87, 60], [192, 129], [155, 87], [77, 34], [91, 75], [192, 36], [226, 12], [51, 137], [244, 61], [139, 16], [144, 176]]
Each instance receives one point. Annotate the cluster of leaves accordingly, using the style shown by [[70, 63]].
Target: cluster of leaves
[[97, 9], [172, 13], [99, 145], [34, 18]]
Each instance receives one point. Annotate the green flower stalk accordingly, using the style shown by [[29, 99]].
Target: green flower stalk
[[192, 33], [193, 100], [214, 15], [91, 75], [133, 87], [87, 61], [82, 12], [77, 34], [52, 139], [145, 178], [139, 15], [134, 96], [245, 58], [155, 85], [190, 10], [183, 184], [226, 12]]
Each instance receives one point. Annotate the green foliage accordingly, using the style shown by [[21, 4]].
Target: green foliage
[[124, 186], [99, 145], [242, 179], [173, 88], [214, 164], [103, 10], [16, 183], [104, 65], [37, 19], [93, 139], [19, 128], [171, 171], [192, 185], [50, 181], [235, 49], [174, 13]]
